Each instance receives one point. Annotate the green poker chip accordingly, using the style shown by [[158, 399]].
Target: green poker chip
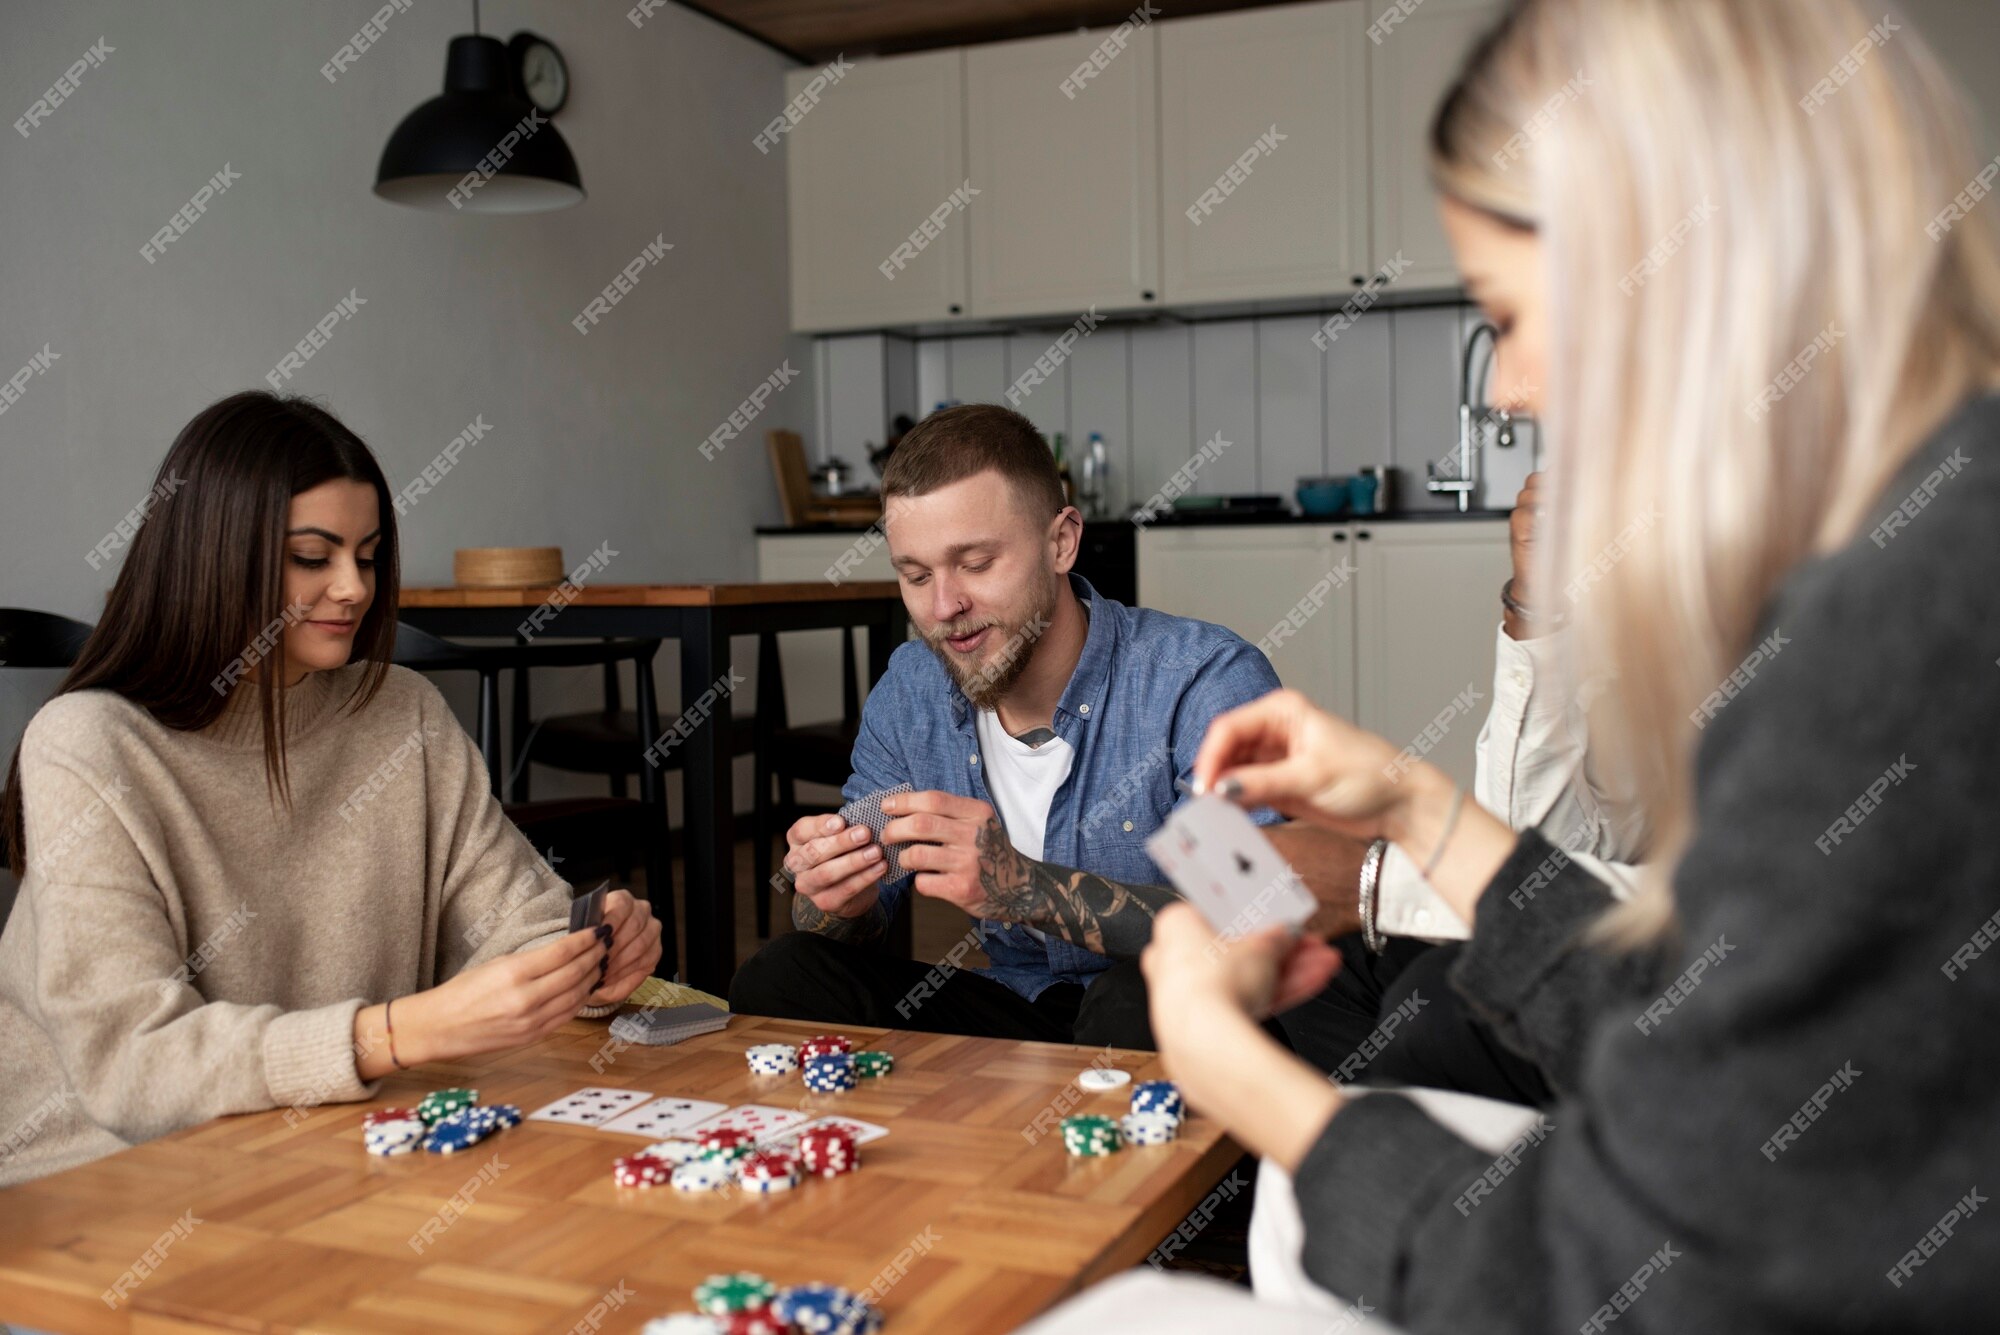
[[442, 1103], [873, 1063], [719, 1295], [1090, 1135]]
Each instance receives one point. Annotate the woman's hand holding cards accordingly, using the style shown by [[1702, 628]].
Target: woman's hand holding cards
[[635, 947]]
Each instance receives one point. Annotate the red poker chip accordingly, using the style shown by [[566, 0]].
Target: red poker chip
[[769, 1164], [828, 1152], [726, 1138], [823, 1045], [641, 1170], [381, 1115], [755, 1321]]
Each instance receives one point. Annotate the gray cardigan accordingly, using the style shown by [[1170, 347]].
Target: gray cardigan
[[1788, 1118]]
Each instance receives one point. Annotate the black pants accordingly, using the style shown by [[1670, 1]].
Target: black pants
[[1394, 1018], [805, 976]]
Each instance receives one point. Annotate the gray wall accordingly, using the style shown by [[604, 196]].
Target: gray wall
[[593, 437]]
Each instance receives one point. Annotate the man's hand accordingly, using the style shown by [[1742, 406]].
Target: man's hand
[[836, 868], [947, 837], [1330, 865]]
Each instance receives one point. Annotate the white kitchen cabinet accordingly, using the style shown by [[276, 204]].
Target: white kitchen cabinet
[[1392, 644], [812, 657], [1256, 579], [1067, 216], [1409, 71], [868, 166], [1427, 608], [1292, 221]]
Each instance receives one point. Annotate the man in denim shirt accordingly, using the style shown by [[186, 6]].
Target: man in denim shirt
[[1043, 728]]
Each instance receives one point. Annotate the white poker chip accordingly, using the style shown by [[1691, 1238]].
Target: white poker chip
[[674, 1151], [1099, 1079], [1150, 1128], [780, 1053], [702, 1175], [769, 1186], [684, 1323], [387, 1148], [404, 1126]]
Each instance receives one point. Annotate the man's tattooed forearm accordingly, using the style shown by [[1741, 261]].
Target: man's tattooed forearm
[[1103, 916], [867, 928]]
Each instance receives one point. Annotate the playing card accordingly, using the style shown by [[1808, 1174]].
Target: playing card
[[868, 811], [663, 1025], [587, 910], [863, 1132], [1222, 863], [758, 1119], [591, 1107], [662, 1117]]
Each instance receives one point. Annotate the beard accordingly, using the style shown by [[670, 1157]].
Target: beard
[[985, 682]]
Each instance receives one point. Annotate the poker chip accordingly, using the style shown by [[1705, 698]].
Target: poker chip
[[727, 1144], [382, 1115], [507, 1114], [827, 1151], [674, 1150], [451, 1137], [684, 1323], [871, 1065], [830, 1073], [1162, 1096], [1090, 1135], [1149, 1128], [641, 1170], [812, 1307], [701, 1175], [401, 1136], [768, 1172], [1103, 1079], [825, 1045], [719, 1295], [441, 1103], [772, 1059], [755, 1321]]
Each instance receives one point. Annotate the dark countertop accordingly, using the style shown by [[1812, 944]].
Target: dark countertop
[[1200, 519]]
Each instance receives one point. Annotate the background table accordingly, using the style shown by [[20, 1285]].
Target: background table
[[302, 1229], [701, 617]]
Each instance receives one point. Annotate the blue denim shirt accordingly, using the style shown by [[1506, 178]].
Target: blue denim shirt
[[1135, 711]]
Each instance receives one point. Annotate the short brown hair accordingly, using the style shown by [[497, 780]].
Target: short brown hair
[[954, 443]]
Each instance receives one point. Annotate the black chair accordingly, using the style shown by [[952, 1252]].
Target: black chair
[[812, 753], [591, 836], [31, 639]]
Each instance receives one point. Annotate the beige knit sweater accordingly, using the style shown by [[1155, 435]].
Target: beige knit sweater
[[183, 948]]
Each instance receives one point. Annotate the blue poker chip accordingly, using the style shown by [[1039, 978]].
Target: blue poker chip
[[507, 1114], [1161, 1096], [817, 1308], [455, 1136]]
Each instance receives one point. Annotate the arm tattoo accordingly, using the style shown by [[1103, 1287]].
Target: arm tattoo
[[863, 930], [1103, 916]]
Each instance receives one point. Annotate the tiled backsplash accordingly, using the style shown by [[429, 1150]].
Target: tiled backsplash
[[1385, 391]]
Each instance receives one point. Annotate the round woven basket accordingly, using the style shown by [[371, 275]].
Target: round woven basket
[[506, 567]]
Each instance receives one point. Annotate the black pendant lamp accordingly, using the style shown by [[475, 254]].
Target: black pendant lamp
[[479, 147]]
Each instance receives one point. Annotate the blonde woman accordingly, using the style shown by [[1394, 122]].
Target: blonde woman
[[1775, 488]]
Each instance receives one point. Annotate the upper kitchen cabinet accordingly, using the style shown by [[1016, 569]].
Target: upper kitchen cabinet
[[875, 170], [1409, 70], [1068, 211], [1264, 152]]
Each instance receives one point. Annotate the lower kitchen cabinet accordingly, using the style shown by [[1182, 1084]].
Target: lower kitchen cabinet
[[1386, 624]]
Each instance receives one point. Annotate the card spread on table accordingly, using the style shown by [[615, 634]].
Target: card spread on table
[[758, 1119], [863, 1132], [1221, 862], [591, 1107], [662, 1117], [661, 1025], [868, 811]]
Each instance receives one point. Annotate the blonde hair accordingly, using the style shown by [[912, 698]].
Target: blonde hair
[[1754, 319]]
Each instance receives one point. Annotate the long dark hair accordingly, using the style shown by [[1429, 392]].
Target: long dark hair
[[204, 579]]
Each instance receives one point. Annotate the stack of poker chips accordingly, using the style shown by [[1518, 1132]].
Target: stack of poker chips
[[641, 1170], [702, 1175], [726, 1145], [724, 1295], [684, 1323], [441, 1103], [773, 1059], [674, 1150], [826, 1309], [827, 1151], [825, 1045], [869, 1065], [1090, 1135], [388, 1131], [1149, 1128], [468, 1126], [769, 1171], [830, 1073], [1160, 1096]]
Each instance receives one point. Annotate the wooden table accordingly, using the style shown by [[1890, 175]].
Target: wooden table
[[702, 617], [301, 1229]]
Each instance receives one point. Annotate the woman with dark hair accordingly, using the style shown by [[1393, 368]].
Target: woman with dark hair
[[200, 934]]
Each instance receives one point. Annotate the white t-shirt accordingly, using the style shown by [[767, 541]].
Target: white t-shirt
[[1023, 780]]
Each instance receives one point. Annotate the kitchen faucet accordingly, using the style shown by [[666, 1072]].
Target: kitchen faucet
[[1460, 474]]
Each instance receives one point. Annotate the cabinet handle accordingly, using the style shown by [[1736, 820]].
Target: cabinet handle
[[1364, 535], [956, 308], [1360, 281], [1145, 296], [1340, 537]]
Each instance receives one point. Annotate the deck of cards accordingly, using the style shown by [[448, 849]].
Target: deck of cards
[[1222, 863]]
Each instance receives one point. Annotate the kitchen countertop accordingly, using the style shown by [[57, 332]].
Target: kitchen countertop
[[1199, 519]]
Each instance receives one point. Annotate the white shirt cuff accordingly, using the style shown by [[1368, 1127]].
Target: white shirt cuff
[[1405, 904]]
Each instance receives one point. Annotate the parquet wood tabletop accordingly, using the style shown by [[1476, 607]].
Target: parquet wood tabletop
[[968, 1217]]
